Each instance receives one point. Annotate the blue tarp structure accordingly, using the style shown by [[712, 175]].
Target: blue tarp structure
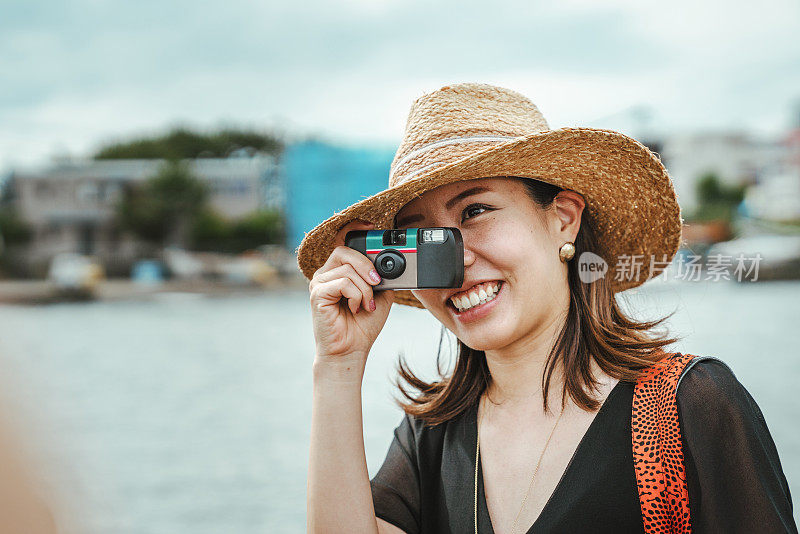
[[322, 179]]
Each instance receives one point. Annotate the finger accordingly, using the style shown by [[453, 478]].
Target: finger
[[333, 291], [347, 270], [342, 255], [345, 256]]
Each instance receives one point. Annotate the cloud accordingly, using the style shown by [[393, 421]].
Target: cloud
[[79, 72]]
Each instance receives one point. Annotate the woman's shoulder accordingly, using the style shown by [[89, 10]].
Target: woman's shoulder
[[736, 481], [706, 374], [709, 390], [414, 432]]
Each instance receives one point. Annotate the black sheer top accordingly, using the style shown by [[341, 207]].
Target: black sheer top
[[734, 476]]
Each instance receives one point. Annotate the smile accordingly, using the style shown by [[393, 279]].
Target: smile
[[476, 302]]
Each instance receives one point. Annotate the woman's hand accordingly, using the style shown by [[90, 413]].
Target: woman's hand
[[345, 329], [341, 292]]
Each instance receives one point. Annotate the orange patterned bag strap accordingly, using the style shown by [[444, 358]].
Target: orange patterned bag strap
[[657, 450]]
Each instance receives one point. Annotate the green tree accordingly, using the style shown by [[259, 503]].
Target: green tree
[[183, 143], [213, 232], [260, 228], [210, 231], [13, 229], [165, 207], [715, 199]]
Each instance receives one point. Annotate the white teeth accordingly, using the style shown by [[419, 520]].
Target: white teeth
[[474, 298]]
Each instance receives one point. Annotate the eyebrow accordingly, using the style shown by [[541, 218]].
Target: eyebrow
[[448, 205]]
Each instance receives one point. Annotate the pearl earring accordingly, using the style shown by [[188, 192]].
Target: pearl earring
[[566, 252]]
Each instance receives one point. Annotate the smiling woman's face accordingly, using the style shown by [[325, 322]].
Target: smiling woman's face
[[509, 241]]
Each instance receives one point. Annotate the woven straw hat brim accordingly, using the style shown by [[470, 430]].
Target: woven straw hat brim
[[627, 190]]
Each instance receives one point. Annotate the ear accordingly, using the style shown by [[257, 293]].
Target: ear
[[569, 210]]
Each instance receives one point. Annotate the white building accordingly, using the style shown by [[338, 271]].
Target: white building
[[72, 205], [736, 158], [776, 197]]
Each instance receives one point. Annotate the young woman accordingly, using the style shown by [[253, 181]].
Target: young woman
[[532, 429]]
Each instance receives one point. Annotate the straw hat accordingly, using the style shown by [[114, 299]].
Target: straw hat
[[466, 131]]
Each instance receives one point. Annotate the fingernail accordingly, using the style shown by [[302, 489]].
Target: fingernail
[[374, 275], [371, 305]]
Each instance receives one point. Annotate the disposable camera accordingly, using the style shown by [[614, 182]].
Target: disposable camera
[[412, 258]]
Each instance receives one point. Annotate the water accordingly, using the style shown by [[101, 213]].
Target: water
[[191, 414]]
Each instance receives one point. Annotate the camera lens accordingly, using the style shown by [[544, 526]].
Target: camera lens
[[390, 264]]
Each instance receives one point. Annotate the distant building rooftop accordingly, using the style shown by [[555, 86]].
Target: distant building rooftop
[[141, 169]]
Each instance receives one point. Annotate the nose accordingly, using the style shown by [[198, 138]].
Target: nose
[[469, 256]]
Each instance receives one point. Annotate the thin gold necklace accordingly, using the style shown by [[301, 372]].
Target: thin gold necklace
[[530, 485]]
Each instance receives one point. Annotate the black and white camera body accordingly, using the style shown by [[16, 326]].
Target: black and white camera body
[[413, 258]]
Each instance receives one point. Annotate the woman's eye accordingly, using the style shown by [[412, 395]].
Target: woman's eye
[[471, 209]]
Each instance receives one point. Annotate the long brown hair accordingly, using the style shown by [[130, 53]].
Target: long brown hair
[[595, 326]]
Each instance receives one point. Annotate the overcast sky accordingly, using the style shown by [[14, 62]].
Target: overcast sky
[[76, 74]]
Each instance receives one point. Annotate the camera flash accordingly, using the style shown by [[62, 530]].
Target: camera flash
[[435, 235]]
